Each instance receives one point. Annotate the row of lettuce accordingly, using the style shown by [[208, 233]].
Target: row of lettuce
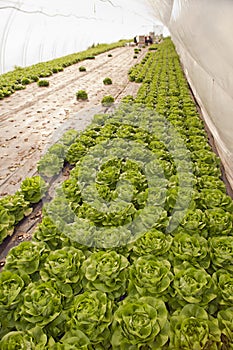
[[20, 77], [135, 251]]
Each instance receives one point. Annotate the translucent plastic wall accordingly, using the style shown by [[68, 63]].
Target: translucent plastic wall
[[35, 31], [202, 32]]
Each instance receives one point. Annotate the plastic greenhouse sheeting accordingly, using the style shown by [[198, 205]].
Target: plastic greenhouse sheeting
[[35, 31], [202, 33]]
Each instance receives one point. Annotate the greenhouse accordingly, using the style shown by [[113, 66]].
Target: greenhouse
[[116, 175]]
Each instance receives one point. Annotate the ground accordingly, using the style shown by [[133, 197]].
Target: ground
[[33, 118]]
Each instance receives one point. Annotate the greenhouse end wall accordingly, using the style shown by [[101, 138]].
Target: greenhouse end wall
[[201, 31]]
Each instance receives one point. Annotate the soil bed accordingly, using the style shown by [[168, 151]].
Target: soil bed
[[30, 119]]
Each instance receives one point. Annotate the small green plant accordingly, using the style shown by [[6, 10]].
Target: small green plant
[[33, 188], [25, 81], [82, 69], [50, 164], [18, 68], [107, 100], [109, 55], [81, 95], [43, 83], [19, 87], [45, 74], [90, 57], [55, 70], [107, 81], [34, 78], [135, 56], [127, 99]]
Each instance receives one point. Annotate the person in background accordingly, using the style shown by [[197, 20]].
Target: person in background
[[135, 40]]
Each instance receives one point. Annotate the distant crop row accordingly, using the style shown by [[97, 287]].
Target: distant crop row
[[19, 78]]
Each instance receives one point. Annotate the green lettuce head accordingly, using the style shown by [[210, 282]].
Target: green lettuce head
[[16, 206], [63, 266], [151, 276], [76, 151], [152, 242], [202, 169], [224, 283], [193, 222], [26, 257], [72, 340], [50, 164], [225, 319], [7, 221], [140, 323], [113, 238], [214, 198], [91, 313], [192, 285], [68, 137], [71, 190], [33, 189], [221, 252], [193, 249], [218, 222], [41, 305], [48, 232], [193, 329], [211, 182], [106, 272], [11, 287], [33, 339]]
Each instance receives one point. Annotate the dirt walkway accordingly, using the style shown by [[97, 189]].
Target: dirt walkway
[[31, 119]]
